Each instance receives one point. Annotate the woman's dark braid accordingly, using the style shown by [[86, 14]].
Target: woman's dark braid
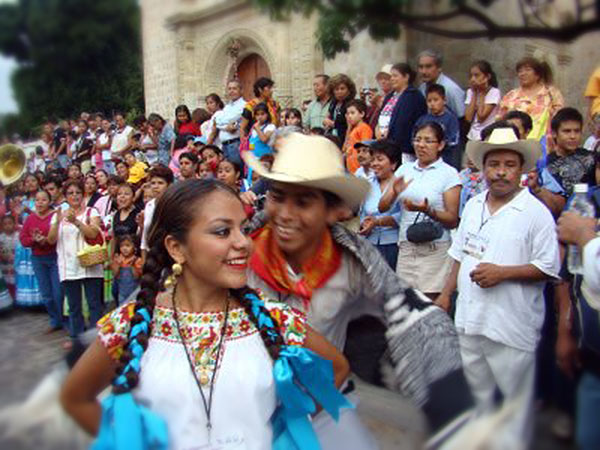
[[262, 320], [150, 285]]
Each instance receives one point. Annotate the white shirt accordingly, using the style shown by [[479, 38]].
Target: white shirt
[[333, 305], [492, 97], [590, 143], [521, 232], [70, 242], [120, 140], [591, 272], [427, 183], [232, 112], [103, 140], [148, 214]]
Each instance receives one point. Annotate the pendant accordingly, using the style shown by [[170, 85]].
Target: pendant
[[204, 379]]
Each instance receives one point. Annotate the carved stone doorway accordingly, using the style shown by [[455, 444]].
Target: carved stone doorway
[[250, 69]]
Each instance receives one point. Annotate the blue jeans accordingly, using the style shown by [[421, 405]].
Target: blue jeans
[[389, 253], [587, 432], [164, 158], [63, 160], [231, 151], [93, 294], [46, 271], [109, 166]]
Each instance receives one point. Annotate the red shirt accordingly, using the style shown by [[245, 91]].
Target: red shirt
[[189, 128], [34, 222]]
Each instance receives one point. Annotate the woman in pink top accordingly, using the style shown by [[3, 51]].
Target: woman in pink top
[[34, 235]]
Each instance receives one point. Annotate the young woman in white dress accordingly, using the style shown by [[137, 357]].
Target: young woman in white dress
[[201, 354]]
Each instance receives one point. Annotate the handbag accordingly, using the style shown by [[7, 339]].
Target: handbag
[[424, 231]]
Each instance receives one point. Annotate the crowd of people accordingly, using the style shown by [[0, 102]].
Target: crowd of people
[[438, 203]]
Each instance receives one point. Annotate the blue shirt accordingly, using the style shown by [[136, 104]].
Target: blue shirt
[[166, 137], [455, 96], [370, 207], [449, 123]]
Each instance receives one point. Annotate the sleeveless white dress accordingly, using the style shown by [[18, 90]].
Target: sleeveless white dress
[[244, 396]]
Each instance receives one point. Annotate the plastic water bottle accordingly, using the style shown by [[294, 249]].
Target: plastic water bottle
[[582, 206]]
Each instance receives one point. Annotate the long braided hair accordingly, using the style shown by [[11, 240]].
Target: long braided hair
[[172, 217]]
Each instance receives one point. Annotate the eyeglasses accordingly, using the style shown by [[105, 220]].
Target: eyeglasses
[[424, 141]]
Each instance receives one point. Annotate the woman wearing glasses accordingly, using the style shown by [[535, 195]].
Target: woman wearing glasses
[[428, 191]]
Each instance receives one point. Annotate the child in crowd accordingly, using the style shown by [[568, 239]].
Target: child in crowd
[[204, 172], [37, 161], [74, 172], [126, 267], [436, 104], [262, 130], [183, 144], [293, 118], [137, 169], [591, 143], [8, 243], [187, 165], [358, 131], [483, 98], [364, 157], [211, 156]]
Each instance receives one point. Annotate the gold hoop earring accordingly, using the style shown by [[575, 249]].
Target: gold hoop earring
[[176, 271]]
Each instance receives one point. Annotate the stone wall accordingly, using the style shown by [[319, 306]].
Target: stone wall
[[366, 57], [159, 53]]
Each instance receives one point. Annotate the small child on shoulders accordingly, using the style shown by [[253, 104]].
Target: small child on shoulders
[[126, 267], [436, 105], [358, 131]]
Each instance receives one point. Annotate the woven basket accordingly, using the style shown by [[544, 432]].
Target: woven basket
[[94, 257]]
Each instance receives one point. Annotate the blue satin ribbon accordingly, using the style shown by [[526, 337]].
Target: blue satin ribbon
[[126, 425], [301, 376]]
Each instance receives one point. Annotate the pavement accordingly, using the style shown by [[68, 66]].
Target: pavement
[[28, 354]]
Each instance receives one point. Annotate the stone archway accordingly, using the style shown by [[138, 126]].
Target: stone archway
[[251, 68], [229, 52]]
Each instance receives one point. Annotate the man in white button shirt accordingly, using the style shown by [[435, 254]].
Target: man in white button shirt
[[505, 249], [227, 123]]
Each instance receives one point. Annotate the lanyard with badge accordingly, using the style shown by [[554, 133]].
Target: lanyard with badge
[[476, 244]]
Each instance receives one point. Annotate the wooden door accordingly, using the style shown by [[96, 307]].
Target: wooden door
[[250, 69]]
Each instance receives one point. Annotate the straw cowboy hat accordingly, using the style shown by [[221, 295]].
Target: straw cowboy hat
[[505, 139], [312, 161], [386, 69]]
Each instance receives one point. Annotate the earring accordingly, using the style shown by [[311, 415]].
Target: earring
[[176, 270]]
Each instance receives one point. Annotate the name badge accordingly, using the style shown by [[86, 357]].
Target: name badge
[[475, 245], [233, 440]]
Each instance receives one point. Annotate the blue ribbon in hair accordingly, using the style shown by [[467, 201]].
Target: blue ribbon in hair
[[301, 377], [126, 425]]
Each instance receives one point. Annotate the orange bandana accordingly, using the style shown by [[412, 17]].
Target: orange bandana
[[269, 264]]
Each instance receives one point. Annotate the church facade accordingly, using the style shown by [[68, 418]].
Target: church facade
[[192, 47]]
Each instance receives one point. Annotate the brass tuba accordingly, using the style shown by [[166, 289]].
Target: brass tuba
[[12, 163]]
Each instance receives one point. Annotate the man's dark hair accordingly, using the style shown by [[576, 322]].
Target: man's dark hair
[[523, 117], [565, 115], [262, 83], [323, 77], [189, 156], [386, 147], [437, 88]]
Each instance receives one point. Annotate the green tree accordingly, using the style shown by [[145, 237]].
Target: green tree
[[73, 55], [340, 20]]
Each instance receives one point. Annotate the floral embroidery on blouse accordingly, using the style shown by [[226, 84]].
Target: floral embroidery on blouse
[[201, 331]]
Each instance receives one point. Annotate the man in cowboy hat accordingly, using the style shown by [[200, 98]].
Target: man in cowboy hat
[[303, 257], [505, 248]]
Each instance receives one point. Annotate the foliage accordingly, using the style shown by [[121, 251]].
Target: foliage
[[340, 20], [73, 55]]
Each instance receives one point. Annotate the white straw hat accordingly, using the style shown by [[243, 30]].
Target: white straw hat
[[505, 139], [312, 161], [386, 69]]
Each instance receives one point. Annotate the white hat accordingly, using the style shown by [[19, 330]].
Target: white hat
[[505, 139], [312, 161], [386, 69]]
